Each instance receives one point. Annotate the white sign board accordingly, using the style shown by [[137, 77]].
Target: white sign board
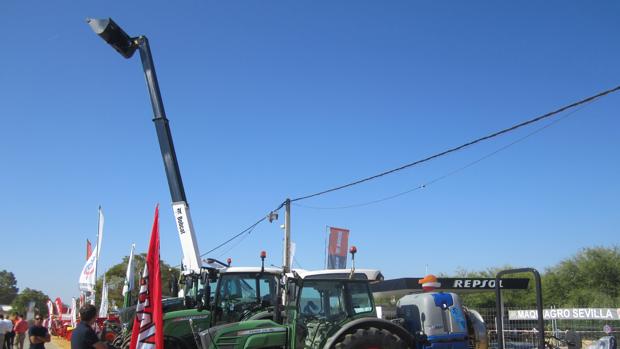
[[567, 314]]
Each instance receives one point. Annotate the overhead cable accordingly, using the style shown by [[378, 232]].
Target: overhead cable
[[451, 173], [465, 145], [246, 230]]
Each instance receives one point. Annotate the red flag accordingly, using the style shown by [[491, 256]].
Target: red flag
[[59, 306], [89, 249], [148, 324], [338, 247]]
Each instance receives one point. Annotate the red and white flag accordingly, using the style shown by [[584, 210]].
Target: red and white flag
[[338, 248], [59, 306], [148, 324], [89, 249]]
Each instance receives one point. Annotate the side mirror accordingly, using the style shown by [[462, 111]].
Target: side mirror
[[174, 285], [206, 296], [188, 301]]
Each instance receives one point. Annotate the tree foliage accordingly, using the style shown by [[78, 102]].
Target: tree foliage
[[591, 278], [115, 278], [8, 287], [20, 303]]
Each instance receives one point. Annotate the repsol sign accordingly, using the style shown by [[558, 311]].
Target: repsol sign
[[482, 283], [451, 284]]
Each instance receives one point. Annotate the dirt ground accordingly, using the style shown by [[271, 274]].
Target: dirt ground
[[61, 343]]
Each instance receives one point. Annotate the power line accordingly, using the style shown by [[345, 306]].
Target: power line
[[239, 241], [250, 228], [246, 230], [465, 145], [451, 173], [443, 153]]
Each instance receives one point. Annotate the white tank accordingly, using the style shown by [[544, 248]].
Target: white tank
[[438, 315]]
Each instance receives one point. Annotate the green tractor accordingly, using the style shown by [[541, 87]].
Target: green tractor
[[324, 309], [217, 296]]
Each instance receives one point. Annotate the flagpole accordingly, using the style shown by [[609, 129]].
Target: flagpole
[[94, 294], [325, 250]]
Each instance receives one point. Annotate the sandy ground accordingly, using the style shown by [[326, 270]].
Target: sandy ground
[[58, 343]]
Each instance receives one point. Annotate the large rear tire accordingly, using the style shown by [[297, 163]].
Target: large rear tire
[[126, 342], [370, 338]]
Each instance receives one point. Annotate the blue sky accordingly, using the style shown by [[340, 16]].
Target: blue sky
[[276, 99]]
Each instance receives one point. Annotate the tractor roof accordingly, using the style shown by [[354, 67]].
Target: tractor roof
[[360, 274], [268, 270]]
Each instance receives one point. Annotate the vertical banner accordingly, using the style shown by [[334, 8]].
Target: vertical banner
[[87, 277], [89, 249], [50, 310], [30, 312], [337, 249], [73, 312], [97, 251], [147, 331], [99, 231], [103, 309], [129, 279], [59, 307]]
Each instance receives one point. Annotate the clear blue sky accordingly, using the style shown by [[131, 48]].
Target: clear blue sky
[[276, 99]]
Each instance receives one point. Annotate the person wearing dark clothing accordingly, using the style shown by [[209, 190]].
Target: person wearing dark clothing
[[83, 336], [38, 334]]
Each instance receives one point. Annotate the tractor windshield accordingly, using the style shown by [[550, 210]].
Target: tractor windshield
[[240, 295], [323, 305], [334, 300]]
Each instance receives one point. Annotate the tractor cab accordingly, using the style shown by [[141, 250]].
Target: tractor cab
[[245, 293], [320, 302]]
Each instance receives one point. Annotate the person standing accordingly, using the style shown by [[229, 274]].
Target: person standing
[[3, 330], [83, 336], [9, 337], [21, 327], [38, 334]]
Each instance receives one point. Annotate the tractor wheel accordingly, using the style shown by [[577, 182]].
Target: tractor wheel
[[118, 341], [370, 338], [126, 342]]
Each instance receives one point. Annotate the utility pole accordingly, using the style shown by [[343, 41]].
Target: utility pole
[[287, 236]]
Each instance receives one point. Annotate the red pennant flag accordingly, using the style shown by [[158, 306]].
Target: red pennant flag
[[148, 326], [89, 249], [59, 306], [338, 248]]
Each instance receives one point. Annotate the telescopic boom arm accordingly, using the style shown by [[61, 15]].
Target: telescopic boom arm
[[109, 31]]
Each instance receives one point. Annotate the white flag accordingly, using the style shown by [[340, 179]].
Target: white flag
[[50, 310], [292, 253], [129, 276], [30, 312], [103, 309], [99, 231], [73, 312], [87, 278]]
